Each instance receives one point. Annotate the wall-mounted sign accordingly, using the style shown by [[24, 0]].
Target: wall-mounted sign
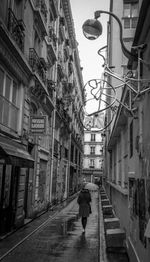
[[38, 124]]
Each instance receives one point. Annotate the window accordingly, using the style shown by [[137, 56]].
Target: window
[[130, 15], [92, 137], [18, 9], [92, 150], [37, 43], [33, 109], [1, 81], [8, 100], [92, 163], [7, 87]]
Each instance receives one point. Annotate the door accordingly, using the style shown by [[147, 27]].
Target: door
[[5, 208], [8, 197]]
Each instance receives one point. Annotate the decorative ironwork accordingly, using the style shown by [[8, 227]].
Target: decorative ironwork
[[132, 88], [54, 7], [37, 90], [67, 88], [50, 87], [70, 68], [52, 38], [60, 72], [16, 28], [38, 64], [61, 33], [66, 53], [62, 111], [40, 4], [67, 42], [62, 21]]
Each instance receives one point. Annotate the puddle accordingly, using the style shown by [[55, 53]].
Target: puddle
[[67, 226]]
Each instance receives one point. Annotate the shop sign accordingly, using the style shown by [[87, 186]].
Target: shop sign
[[38, 124]]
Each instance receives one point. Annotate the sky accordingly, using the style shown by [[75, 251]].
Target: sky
[[89, 59]]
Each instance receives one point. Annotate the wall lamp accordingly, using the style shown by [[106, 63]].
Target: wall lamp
[[92, 29]]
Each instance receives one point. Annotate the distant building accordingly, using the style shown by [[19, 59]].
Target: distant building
[[93, 156]]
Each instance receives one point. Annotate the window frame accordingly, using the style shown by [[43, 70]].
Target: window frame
[[130, 14], [92, 150], [93, 137]]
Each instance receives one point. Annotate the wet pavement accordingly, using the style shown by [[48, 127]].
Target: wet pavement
[[57, 237]]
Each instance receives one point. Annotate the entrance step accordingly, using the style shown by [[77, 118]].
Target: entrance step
[[105, 202], [115, 238], [111, 223], [107, 210], [104, 196]]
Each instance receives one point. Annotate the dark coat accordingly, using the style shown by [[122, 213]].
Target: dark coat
[[84, 200]]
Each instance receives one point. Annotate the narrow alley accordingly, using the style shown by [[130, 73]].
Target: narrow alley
[[57, 236]]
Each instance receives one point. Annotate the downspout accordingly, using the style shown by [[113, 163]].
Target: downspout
[[54, 111]]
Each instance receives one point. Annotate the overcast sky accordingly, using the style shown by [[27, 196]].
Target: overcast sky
[[90, 60]]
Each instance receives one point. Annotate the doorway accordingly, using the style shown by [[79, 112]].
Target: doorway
[[9, 180]]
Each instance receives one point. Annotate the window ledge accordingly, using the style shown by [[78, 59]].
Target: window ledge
[[123, 191]]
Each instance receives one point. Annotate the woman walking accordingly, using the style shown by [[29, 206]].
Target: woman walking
[[84, 200]]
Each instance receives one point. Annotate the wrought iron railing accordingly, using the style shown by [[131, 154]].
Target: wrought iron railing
[[8, 113], [50, 88], [38, 64], [52, 38], [16, 28], [40, 4]]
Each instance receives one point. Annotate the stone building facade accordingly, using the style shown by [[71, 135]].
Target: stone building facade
[[41, 93], [127, 139], [93, 156]]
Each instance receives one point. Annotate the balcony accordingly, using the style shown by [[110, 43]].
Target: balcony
[[37, 64], [40, 10], [51, 47], [62, 33], [16, 29], [60, 72], [62, 112], [50, 88], [66, 53], [8, 114], [70, 68], [59, 106], [54, 7]]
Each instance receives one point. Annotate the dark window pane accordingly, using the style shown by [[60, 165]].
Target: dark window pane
[[126, 23], [1, 81], [14, 94], [134, 22], [7, 88]]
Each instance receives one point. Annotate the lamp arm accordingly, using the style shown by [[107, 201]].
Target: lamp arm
[[126, 52]]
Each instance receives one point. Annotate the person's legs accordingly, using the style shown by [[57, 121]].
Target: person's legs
[[84, 222]]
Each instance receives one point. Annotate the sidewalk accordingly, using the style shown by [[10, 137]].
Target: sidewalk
[[57, 236]]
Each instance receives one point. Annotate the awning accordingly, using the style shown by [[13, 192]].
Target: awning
[[14, 153], [131, 1]]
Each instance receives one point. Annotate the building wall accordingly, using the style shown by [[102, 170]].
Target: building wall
[[120, 153], [127, 180], [41, 58]]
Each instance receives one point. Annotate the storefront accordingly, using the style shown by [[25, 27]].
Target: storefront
[[15, 165]]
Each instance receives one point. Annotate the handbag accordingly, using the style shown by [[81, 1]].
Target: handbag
[[90, 210]]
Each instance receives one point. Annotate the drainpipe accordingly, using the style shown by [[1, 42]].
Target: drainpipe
[[140, 108], [54, 112]]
